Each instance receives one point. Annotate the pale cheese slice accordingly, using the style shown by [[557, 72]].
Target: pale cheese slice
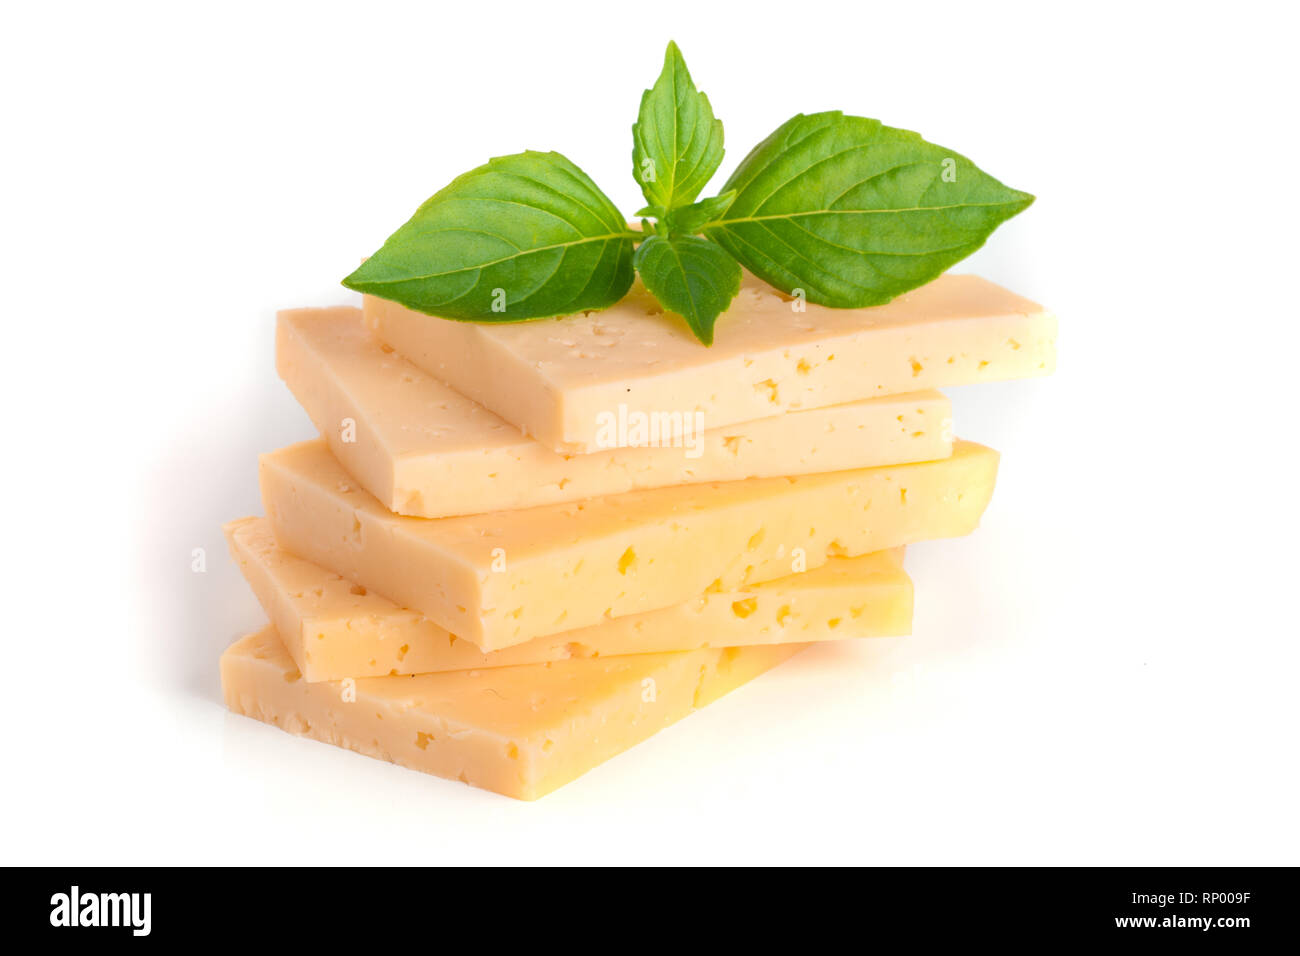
[[520, 731], [504, 578], [335, 629], [423, 449], [558, 379]]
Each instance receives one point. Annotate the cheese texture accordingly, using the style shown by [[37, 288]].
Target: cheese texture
[[423, 449], [520, 731], [507, 577], [335, 629], [558, 379]]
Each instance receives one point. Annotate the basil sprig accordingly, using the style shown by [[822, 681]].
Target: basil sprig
[[691, 276], [854, 212], [527, 236], [840, 210]]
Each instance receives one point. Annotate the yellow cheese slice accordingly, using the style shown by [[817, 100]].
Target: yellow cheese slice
[[335, 629], [521, 731], [557, 379], [423, 449], [507, 577]]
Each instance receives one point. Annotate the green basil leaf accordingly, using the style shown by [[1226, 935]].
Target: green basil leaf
[[693, 277], [676, 142], [854, 212], [689, 220], [525, 236]]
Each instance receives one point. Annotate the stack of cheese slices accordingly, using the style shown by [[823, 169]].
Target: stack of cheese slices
[[517, 550]]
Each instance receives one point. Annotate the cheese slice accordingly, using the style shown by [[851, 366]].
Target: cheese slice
[[423, 449], [521, 731], [507, 577], [558, 380], [335, 629]]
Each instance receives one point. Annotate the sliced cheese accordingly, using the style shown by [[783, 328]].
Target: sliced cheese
[[503, 578], [559, 379], [521, 731], [335, 629], [423, 449]]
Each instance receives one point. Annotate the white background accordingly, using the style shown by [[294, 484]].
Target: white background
[[1105, 673]]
